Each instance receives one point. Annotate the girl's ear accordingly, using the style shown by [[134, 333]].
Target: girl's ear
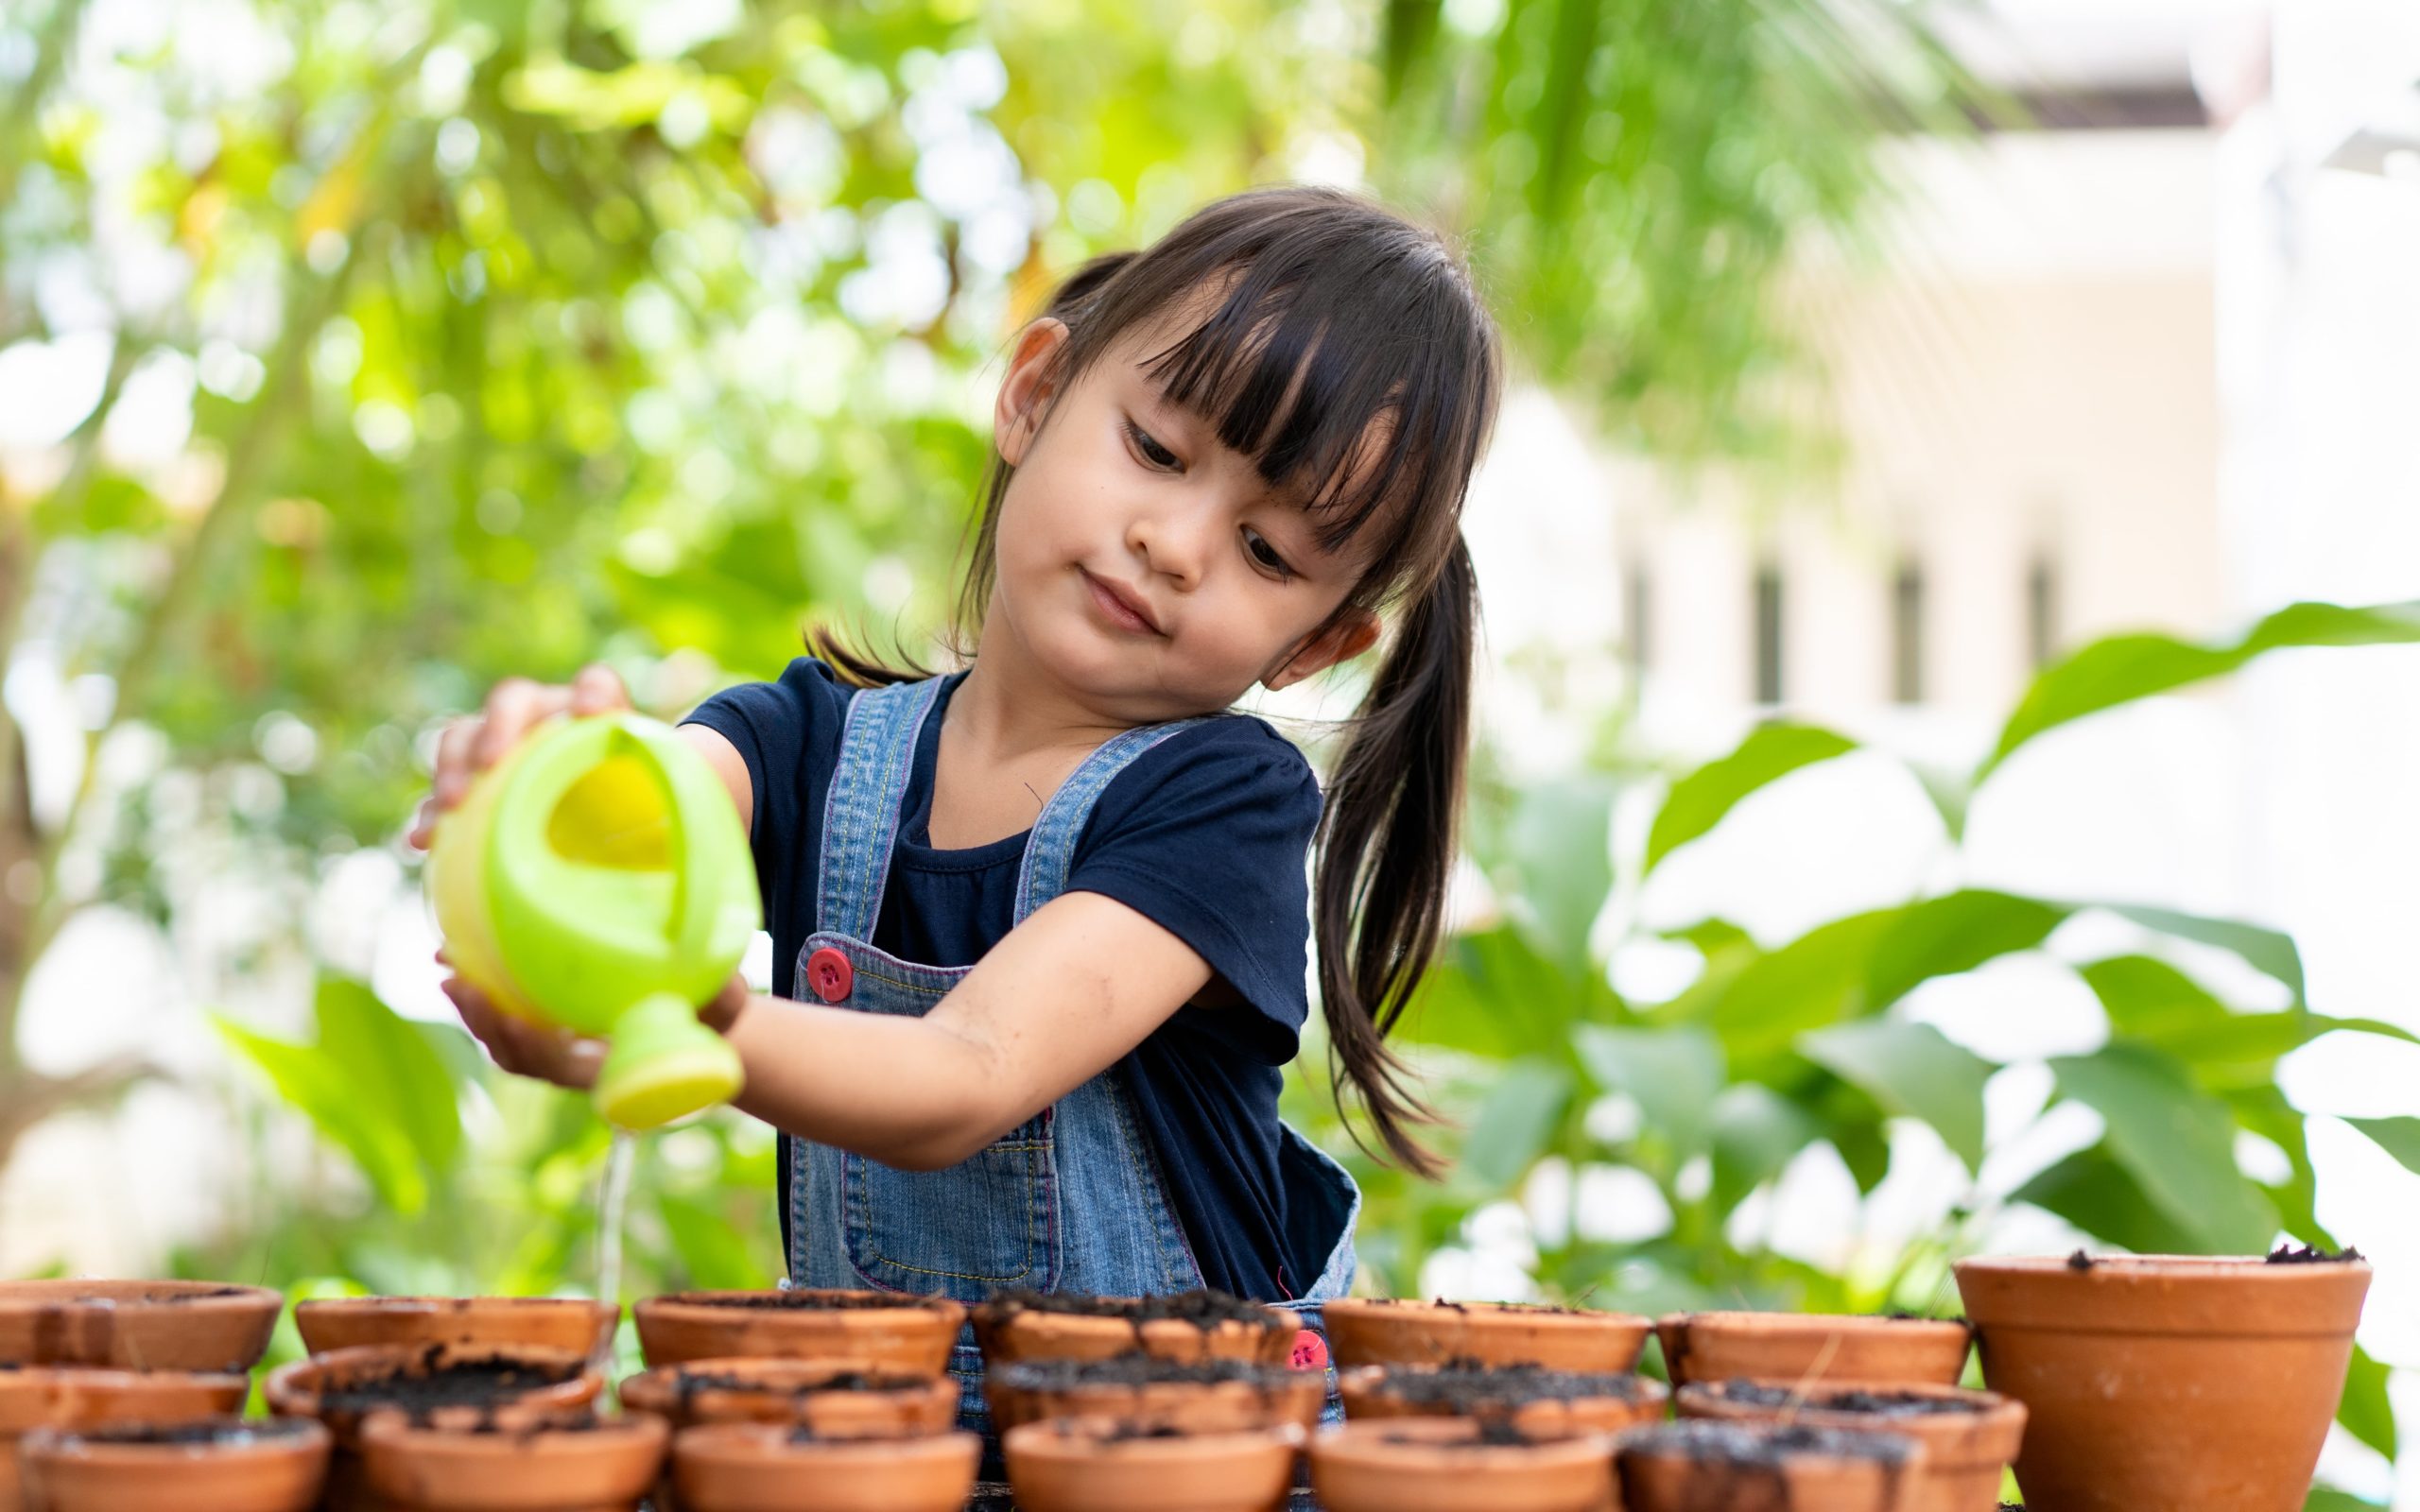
[[1352, 632], [1026, 391]]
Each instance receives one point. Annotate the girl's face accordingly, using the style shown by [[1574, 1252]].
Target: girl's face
[[1147, 567]]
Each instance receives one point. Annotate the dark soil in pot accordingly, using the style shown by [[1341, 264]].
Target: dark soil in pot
[[836, 1401], [1199, 1396], [867, 1331], [1552, 1403], [1456, 1464], [1697, 1467], [1372, 1330], [1968, 1436], [1017, 1325]]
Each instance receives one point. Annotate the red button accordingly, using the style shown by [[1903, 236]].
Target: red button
[[1311, 1350], [829, 974]]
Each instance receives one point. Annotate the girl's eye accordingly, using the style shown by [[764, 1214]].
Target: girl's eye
[[1153, 452], [1265, 553]]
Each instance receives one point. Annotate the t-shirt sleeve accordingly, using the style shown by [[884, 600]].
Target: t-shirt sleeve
[[784, 730], [1208, 835]]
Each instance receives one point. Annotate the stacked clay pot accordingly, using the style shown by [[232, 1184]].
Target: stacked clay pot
[[1968, 1436], [77, 1355]]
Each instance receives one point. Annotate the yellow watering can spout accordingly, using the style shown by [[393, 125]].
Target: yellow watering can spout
[[598, 878]]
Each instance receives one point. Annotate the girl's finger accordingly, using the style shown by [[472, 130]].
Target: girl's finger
[[424, 828], [596, 688], [723, 1011], [453, 774], [512, 707]]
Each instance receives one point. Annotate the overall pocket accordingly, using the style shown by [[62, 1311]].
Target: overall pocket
[[986, 1222]]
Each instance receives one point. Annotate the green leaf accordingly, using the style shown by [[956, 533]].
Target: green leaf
[[2151, 1001], [394, 1069], [1816, 979], [711, 1250], [1757, 1132], [1958, 932], [1673, 1074], [2126, 667], [2398, 1137], [2367, 1413], [1561, 853], [1911, 1069], [311, 1082], [2328, 1499], [1493, 994], [2092, 1192], [1698, 801], [2176, 1141], [1513, 1124], [2266, 950]]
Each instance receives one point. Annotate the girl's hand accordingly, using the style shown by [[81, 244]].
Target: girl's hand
[[559, 1056], [471, 745]]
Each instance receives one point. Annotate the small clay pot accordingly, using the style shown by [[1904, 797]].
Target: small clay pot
[[1365, 1331], [1542, 1403], [1812, 1346], [1969, 1436], [571, 1323], [832, 1400], [452, 1383], [871, 1331], [136, 1325], [1456, 1464], [517, 1461], [1200, 1325], [210, 1465], [1201, 1397], [2158, 1383], [761, 1468], [1688, 1467], [1101, 1465], [72, 1397]]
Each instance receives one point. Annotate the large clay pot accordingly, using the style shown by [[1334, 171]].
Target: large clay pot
[[871, 1331], [1542, 1403], [572, 1323], [72, 1396], [1201, 1397], [832, 1400], [1693, 1467], [1368, 1330], [570, 1463], [2160, 1383], [1969, 1436], [1811, 1346], [760, 1468], [1455, 1465], [136, 1325], [1099, 1464], [212, 1465], [1189, 1326]]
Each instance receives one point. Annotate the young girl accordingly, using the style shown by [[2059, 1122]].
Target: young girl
[[1040, 924]]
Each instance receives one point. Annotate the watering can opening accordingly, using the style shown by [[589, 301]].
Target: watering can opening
[[615, 816]]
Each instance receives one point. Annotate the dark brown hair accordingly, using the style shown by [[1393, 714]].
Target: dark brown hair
[[1328, 316]]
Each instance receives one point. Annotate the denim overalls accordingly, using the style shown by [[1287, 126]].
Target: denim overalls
[[1070, 1200]]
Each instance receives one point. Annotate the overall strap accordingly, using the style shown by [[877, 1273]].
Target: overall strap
[[1051, 847], [862, 811]]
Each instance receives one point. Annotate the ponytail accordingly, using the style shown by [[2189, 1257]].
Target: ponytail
[[1386, 850]]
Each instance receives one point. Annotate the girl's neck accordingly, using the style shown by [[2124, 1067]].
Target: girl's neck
[[1007, 718]]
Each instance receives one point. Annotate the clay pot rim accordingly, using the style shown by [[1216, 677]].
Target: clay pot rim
[[1661, 1441], [1990, 1406], [2161, 1267], [659, 1386], [1266, 1377], [431, 1302], [1746, 1321], [1449, 1442], [103, 1377], [754, 1443], [695, 1304], [306, 1435], [1079, 1438], [1376, 1375], [216, 1297], [1533, 1314], [392, 1428], [284, 1388]]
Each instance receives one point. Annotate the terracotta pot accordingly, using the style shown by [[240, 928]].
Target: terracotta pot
[[1365, 1331], [342, 1386], [571, 1323], [759, 1468], [1016, 1329], [211, 1465], [1454, 1465], [870, 1330], [1811, 1346], [1969, 1436], [1689, 1467], [832, 1400], [1202, 1397], [2158, 1383], [136, 1325], [521, 1462], [1542, 1403], [72, 1397], [1101, 1465]]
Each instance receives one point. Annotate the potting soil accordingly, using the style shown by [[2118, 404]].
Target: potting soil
[[225, 1430], [809, 1301], [455, 1384], [2312, 1255], [1202, 1307], [1133, 1368], [689, 1382], [1878, 1404], [1469, 1384]]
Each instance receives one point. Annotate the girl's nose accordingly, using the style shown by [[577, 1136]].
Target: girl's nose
[[1172, 543]]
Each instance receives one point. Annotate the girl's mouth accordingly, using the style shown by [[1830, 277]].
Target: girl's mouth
[[1119, 607]]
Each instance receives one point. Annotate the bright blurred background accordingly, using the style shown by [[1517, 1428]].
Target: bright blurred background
[[1877, 364]]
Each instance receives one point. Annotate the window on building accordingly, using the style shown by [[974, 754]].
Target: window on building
[[1908, 632], [2041, 610], [1768, 607]]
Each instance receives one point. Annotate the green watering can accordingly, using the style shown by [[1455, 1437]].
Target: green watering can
[[597, 878]]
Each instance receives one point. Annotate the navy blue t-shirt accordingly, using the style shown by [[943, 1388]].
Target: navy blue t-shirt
[[1206, 834]]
